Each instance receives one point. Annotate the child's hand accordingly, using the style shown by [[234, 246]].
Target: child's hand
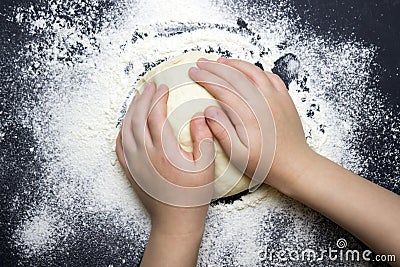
[[291, 146], [140, 149], [366, 210], [175, 186]]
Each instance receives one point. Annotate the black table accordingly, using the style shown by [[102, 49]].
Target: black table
[[374, 22]]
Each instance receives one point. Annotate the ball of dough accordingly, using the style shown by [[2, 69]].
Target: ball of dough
[[185, 99]]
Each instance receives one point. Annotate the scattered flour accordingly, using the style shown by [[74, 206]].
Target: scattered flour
[[85, 73]]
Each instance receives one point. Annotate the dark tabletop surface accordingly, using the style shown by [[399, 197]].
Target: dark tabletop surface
[[373, 22]]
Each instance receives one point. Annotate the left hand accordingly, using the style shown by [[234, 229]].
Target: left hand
[[144, 141]]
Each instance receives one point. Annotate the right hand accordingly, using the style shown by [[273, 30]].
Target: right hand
[[368, 211], [291, 148]]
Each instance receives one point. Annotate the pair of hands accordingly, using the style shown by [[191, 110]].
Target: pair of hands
[[296, 170], [239, 128]]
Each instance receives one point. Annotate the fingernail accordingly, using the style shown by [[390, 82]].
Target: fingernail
[[200, 121], [212, 113], [194, 69], [202, 59], [147, 85], [198, 115], [222, 60]]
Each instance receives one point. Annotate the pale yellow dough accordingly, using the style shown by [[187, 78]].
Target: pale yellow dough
[[229, 180]]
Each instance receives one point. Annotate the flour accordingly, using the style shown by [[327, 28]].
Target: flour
[[47, 229], [86, 73], [2, 136]]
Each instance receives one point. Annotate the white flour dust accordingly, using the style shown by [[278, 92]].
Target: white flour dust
[[85, 73]]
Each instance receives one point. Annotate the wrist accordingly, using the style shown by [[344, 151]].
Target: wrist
[[301, 181], [291, 179], [168, 248], [177, 232], [177, 236], [181, 222]]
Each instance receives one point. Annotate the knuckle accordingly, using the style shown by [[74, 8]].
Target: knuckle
[[276, 76], [277, 79]]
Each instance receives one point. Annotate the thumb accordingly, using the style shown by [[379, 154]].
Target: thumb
[[203, 142], [226, 134]]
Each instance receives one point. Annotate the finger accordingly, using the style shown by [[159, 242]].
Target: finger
[[119, 151], [226, 135], [242, 84], [158, 114], [253, 72], [203, 144], [127, 122], [231, 101], [218, 85], [140, 113], [161, 131], [276, 81], [125, 136], [132, 104]]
